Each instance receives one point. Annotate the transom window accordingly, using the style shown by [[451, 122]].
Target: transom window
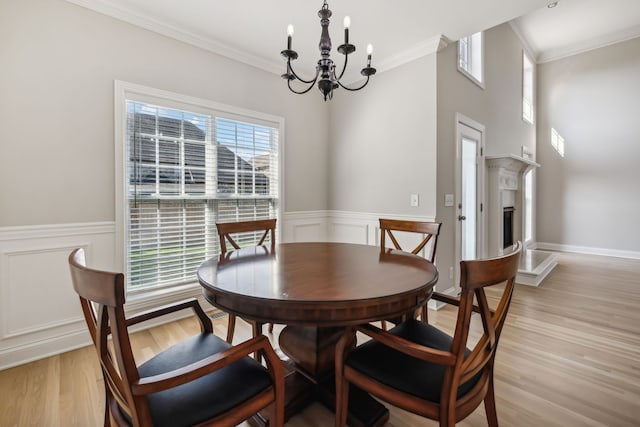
[[470, 57], [184, 170]]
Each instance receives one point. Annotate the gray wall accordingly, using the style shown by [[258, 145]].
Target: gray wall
[[383, 143], [58, 64], [591, 197], [498, 107]]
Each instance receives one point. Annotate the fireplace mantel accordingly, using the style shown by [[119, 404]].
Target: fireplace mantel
[[510, 162], [508, 171]]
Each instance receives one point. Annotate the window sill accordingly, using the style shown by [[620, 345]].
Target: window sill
[[156, 297], [471, 77]]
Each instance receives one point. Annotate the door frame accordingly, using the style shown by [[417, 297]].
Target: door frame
[[461, 119]]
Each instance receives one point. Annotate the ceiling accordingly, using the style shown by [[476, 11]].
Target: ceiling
[[575, 26], [254, 31]]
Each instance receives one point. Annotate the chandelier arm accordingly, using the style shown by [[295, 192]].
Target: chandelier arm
[[354, 89], [298, 77], [344, 67], [313, 82]]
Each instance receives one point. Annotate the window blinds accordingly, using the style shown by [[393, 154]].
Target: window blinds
[[186, 171]]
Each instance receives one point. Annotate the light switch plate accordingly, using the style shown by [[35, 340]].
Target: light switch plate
[[448, 199], [414, 200]]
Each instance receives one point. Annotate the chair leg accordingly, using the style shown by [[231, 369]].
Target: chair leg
[[425, 314], [345, 344], [107, 413], [256, 329], [231, 327], [342, 401], [270, 328], [383, 325], [490, 405]]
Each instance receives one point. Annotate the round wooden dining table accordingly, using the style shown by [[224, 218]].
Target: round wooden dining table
[[316, 290]]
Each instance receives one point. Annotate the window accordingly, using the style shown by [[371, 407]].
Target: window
[[528, 206], [557, 142], [527, 88], [470, 57], [186, 166]]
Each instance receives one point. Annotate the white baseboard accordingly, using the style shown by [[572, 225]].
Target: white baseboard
[[588, 250], [79, 338], [437, 305], [35, 350]]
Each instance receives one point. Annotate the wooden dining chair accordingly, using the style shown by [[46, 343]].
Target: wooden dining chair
[[200, 381], [421, 369], [226, 233], [430, 232]]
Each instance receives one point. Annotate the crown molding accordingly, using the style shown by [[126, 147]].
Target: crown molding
[[541, 57], [105, 7], [126, 15], [533, 54], [427, 47], [596, 43]]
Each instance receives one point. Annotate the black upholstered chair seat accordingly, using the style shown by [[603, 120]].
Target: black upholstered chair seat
[[205, 397], [405, 373]]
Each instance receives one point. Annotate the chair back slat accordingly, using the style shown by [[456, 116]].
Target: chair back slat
[[226, 229], [430, 231], [476, 276]]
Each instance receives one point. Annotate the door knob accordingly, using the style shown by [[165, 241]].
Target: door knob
[[461, 217]]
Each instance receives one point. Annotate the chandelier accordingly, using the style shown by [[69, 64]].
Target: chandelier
[[326, 76]]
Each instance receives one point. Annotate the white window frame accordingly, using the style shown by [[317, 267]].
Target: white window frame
[[528, 89], [471, 57], [125, 91]]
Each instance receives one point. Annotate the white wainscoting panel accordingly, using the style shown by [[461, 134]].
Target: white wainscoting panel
[[39, 312], [349, 232], [364, 228], [310, 226], [37, 296]]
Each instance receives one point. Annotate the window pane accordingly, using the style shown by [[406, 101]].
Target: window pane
[[168, 152], [470, 56], [527, 88]]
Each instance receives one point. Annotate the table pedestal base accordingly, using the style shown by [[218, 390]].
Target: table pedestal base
[[310, 377]]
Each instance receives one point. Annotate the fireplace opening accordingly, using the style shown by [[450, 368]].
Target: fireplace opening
[[507, 226]]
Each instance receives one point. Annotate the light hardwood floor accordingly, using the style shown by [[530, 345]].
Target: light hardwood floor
[[569, 356]]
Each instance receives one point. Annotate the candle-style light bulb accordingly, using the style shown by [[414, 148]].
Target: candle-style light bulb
[[289, 34], [369, 49], [347, 23]]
